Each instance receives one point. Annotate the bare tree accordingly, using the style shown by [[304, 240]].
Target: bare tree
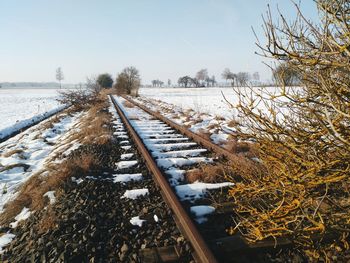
[[285, 75], [210, 81], [59, 76], [128, 81], [256, 76], [185, 81], [228, 75], [157, 83], [82, 97], [169, 82], [202, 75], [242, 79]]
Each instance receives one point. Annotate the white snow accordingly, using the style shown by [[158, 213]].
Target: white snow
[[127, 147], [155, 217], [77, 181], [207, 100], [219, 138], [126, 164], [34, 153], [51, 196], [23, 215], [170, 146], [175, 176], [166, 139], [135, 193], [126, 156], [201, 211], [21, 107], [124, 178], [197, 190], [179, 153], [136, 221], [5, 239], [178, 162]]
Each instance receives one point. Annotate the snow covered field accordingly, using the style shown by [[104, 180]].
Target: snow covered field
[[21, 105], [206, 100]]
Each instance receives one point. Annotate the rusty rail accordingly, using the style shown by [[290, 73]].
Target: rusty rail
[[202, 252], [195, 137]]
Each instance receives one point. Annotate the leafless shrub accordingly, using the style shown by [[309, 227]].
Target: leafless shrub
[[82, 97], [303, 134]]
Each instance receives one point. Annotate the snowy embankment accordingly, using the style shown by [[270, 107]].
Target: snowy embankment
[[21, 108], [27, 154], [20, 125]]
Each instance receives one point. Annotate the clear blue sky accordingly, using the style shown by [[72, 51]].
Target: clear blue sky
[[162, 38]]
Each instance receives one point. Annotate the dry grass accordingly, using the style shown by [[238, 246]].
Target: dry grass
[[247, 149], [16, 165], [232, 123], [128, 104], [12, 152], [207, 173], [31, 192], [94, 129]]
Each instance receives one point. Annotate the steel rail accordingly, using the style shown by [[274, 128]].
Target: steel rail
[[202, 252], [195, 137]]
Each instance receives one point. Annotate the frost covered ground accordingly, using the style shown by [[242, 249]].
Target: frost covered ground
[[27, 154], [207, 100], [204, 100], [18, 107]]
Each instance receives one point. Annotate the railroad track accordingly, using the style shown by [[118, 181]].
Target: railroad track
[[169, 151]]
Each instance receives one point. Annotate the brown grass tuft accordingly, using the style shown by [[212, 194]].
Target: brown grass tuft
[[128, 104], [245, 148], [12, 152], [207, 173]]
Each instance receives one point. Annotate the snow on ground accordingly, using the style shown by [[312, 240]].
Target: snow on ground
[[136, 221], [203, 100], [23, 215], [126, 164], [197, 190], [202, 123], [19, 107], [124, 178], [27, 153], [167, 163], [135, 193], [146, 126], [5, 239], [51, 196], [205, 110], [201, 211], [126, 156], [206, 100]]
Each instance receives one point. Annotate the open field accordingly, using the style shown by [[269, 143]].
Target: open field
[[206, 100], [21, 105]]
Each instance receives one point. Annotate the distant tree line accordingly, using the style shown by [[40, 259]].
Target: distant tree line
[[281, 75], [202, 79]]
